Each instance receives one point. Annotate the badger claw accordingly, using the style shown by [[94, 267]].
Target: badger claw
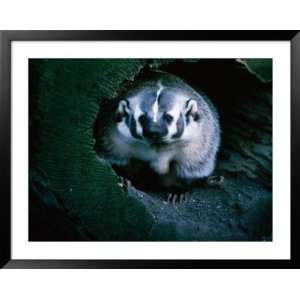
[[177, 197], [215, 180], [124, 183]]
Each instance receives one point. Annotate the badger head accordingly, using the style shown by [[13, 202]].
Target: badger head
[[158, 115]]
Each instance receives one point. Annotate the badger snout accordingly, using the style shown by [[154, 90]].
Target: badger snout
[[154, 132]]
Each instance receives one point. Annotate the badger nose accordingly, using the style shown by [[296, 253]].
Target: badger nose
[[153, 132], [153, 135]]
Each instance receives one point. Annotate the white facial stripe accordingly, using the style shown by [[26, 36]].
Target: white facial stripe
[[175, 112], [137, 113], [155, 105], [155, 111], [124, 130]]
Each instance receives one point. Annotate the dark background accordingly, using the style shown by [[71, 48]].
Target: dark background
[[74, 197]]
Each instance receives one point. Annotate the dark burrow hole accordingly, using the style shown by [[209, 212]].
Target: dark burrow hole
[[244, 104]]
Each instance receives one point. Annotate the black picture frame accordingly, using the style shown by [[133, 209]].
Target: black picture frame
[[7, 37]]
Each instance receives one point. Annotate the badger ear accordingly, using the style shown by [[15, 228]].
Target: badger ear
[[123, 110], [191, 109]]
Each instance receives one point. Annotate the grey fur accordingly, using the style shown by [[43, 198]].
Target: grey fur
[[189, 153]]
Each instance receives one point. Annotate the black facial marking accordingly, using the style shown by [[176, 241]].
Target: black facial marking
[[127, 120], [180, 127], [132, 127], [142, 119], [187, 119]]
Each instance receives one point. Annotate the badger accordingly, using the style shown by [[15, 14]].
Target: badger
[[165, 128]]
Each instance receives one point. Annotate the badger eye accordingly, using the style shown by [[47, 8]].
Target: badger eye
[[168, 118]]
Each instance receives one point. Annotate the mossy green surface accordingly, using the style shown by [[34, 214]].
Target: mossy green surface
[[68, 94], [261, 67]]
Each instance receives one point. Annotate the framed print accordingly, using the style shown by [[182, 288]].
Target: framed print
[[149, 149]]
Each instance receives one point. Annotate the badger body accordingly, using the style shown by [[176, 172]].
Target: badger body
[[166, 127]]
